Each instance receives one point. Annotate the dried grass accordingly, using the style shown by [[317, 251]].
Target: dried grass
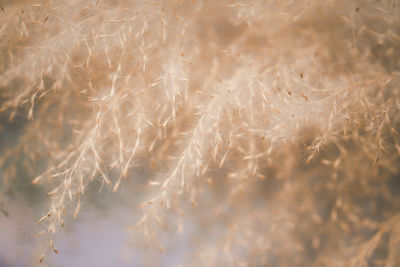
[[277, 120]]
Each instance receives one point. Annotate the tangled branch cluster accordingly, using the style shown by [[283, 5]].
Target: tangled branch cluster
[[273, 126]]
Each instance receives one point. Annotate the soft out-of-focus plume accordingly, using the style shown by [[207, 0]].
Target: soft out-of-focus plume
[[270, 129]]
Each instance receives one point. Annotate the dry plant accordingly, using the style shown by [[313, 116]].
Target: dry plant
[[270, 128]]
